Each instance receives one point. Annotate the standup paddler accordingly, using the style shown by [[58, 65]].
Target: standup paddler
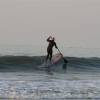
[[52, 43]]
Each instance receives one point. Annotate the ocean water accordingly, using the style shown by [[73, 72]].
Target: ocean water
[[22, 77]]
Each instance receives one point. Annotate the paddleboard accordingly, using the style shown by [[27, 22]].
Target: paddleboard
[[56, 58]]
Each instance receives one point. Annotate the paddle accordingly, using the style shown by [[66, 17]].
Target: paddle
[[65, 60]]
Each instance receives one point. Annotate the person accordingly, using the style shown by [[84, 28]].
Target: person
[[52, 43]]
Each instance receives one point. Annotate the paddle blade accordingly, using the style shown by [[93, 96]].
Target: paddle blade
[[65, 60], [64, 66]]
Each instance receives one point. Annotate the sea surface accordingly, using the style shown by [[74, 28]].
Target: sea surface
[[24, 77]]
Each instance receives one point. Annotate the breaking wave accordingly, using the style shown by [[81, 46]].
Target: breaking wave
[[30, 63]]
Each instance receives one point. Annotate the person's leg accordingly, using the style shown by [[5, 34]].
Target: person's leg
[[47, 57], [50, 55]]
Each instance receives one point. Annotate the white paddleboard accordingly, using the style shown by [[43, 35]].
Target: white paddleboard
[[56, 58]]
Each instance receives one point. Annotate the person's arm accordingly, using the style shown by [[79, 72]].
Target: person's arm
[[56, 46], [48, 39]]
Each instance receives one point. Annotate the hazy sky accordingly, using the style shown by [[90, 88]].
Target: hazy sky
[[73, 22]]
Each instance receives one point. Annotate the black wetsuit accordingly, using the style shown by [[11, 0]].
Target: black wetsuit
[[50, 48]]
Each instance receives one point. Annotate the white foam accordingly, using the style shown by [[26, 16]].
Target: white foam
[[42, 85]]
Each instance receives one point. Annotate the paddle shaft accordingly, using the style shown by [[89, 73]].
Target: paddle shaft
[[62, 56], [60, 52]]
